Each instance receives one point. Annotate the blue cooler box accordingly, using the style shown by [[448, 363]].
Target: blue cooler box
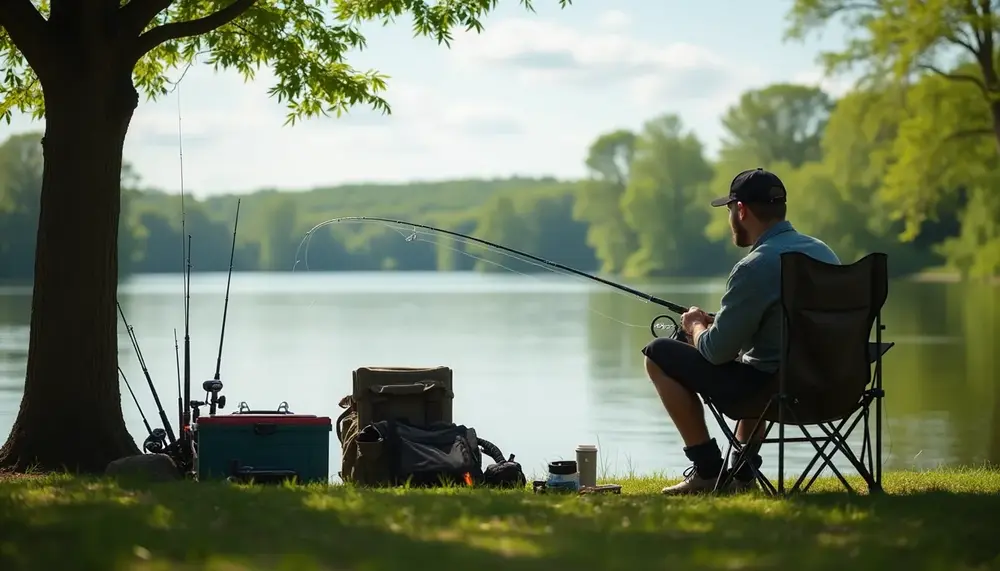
[[264, 447]]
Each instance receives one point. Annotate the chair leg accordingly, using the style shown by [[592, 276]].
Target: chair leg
[[827, 460], [720, 481], [781, 444], [840, 442], [739, 448], [744, 450], [838, 429], [833, 433]]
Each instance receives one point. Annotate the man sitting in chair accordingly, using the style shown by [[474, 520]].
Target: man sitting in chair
[[730, 357]]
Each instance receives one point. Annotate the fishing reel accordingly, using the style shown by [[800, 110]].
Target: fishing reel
[[213, 399], [156, 442], [666, 326]]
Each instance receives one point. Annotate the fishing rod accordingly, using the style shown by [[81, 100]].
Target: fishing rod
[[215, 385], [180, 397], [187, 347], [145, 371], [154, 442], [128, 386], [187, 448], [661, 326], [674, 307]]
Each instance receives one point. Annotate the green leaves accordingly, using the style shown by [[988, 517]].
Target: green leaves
[[598, 203], [434, 20], [20, 89], [661, 203], [304, 50], [782, 122], [306, 43], [918, 139]]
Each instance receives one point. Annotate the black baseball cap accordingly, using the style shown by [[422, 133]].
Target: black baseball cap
[[754, 186]]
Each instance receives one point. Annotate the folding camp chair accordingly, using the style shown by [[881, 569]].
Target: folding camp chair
[[825, 376]]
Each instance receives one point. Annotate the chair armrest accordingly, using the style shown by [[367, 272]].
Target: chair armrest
[[876, 350]]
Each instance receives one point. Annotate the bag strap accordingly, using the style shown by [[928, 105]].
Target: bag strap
[[346, 403], [492, 451]]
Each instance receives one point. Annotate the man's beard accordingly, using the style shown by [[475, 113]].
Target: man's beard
[[740, 235]]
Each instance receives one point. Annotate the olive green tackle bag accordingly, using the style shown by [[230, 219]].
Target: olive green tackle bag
[[417, 396]]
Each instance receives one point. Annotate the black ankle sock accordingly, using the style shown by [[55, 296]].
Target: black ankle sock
[[707, 458], [745, 473]]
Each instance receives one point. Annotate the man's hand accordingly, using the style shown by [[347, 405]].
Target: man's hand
[[693, 316]]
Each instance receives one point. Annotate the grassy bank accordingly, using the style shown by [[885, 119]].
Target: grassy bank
[[930, 520]]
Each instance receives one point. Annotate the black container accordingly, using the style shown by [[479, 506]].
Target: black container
[[562, 467]]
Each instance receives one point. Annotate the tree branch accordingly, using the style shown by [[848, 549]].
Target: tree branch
[[137, 14], [28, 30], [965, 43], [959, 77], [967, 133], [175, 30]]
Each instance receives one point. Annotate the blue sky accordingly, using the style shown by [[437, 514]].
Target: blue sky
[[525, 97]]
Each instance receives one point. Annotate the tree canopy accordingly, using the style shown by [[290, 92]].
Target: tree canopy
[[304, 42]]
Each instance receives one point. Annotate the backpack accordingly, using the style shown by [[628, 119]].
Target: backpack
[[418, 396], [393, 453], [347, 433]]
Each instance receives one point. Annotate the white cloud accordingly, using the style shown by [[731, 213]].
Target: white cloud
[[613, 20], [234, 137], [548, 53]]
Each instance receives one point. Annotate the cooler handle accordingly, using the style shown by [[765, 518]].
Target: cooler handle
[[261, 429]]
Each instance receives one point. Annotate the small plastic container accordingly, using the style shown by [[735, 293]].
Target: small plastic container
[[563, 476]]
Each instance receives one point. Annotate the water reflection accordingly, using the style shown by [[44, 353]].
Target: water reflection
[[541, 363], [942, 386]]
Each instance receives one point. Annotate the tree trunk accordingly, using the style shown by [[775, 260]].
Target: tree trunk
[[995, 111], [71, 412]]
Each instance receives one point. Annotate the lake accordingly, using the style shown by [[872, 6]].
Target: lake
[[541, 363]]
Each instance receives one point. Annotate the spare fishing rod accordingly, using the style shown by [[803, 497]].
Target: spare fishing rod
[[180, 390], [661, 326], [145, 371], [186, 444], [189, 442], [214, 386], [154, 441], [138, 406]]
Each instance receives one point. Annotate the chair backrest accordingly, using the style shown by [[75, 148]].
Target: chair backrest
[[419, 396], [828, 314]]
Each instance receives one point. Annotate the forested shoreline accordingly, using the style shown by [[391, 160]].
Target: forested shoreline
[[642, 211]]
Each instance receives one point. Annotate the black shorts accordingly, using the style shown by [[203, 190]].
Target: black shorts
[[731, 382]]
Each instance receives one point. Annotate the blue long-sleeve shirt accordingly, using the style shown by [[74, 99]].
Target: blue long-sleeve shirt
[[747, 326]]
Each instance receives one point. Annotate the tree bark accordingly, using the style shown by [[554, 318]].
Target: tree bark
[[71, 412], [995, 112]]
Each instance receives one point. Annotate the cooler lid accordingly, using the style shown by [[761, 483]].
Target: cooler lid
[[283, 419]]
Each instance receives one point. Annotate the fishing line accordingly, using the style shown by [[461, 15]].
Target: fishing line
[[414, 236], [662, 326], [412, 233]]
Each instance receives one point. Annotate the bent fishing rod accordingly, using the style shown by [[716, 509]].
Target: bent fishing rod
[[674, 307]]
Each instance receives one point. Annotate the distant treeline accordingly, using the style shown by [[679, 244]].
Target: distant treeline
[[642, 211]]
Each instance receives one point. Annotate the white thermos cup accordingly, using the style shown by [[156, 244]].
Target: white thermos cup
[[586, 461]]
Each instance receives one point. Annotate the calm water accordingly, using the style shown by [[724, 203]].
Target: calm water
[[541, 363]]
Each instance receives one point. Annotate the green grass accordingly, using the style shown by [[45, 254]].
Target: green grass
[[927, 520]]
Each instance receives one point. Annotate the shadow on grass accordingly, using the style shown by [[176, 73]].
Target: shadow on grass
[[88, 525]]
